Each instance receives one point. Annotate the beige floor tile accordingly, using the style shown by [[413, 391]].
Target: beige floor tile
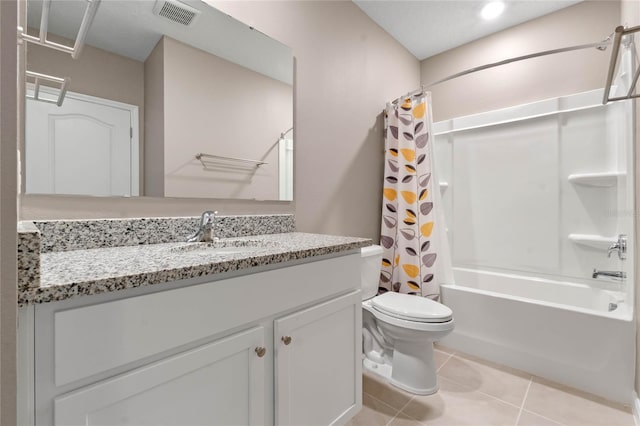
[[501, 382], [440, 358], [373, 413], [404, 420], [383, 391], [530, 419], [572, 407], [459, 405]]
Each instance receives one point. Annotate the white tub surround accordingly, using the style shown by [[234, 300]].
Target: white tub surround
[[570, 337], [541, 189], [538, 193]]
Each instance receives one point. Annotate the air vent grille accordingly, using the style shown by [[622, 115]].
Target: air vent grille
[[176, 11]]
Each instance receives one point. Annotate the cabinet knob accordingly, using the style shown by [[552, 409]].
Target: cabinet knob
[[286, 339], [261, 351]]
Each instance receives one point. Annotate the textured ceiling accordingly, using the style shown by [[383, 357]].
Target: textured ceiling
[[429, 27], [130, 28]]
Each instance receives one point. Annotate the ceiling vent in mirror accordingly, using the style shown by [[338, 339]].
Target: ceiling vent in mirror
[[176, 11]]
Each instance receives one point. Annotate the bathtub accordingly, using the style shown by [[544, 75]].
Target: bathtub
[[565, 332]]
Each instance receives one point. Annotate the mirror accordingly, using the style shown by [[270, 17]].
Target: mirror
[[167, 98]]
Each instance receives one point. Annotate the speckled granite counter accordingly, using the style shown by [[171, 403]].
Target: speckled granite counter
[[43, 236], [66, 274]]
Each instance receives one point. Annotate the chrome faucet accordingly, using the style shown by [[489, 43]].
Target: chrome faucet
[[621, 275], [620, 246], [207, 229]]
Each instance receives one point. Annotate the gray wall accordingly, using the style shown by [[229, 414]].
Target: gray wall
[[347, 68], [529, 80], [217, 107], [154, 122], [96, 72], [8, 184]]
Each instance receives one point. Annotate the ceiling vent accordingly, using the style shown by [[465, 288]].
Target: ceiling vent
[[176, 11]]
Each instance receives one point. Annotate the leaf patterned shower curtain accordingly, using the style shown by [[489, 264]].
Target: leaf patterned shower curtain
[[412, 233]]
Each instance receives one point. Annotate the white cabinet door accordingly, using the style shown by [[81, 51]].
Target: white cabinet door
[[318, 363], [220, 383]]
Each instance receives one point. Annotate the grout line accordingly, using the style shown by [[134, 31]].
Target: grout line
[[445, 361], [394, 408], [392, 419], [479, 391], [484, 393], [382, 402], [400, 410], [408, 402], [526, 393], [555, 422]]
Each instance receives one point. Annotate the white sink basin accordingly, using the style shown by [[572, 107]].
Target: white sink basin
[[222, 246]]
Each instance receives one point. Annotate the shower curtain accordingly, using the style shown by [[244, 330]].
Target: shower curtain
[[416, 257]]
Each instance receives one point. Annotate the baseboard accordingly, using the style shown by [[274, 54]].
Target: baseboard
[[636, 409]]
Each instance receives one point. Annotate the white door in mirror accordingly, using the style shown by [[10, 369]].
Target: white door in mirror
[[83, 147]]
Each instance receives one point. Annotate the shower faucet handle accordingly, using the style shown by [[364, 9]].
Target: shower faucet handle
[[620, 246]]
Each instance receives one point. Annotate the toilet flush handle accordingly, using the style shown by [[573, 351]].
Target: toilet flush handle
[[286, 339]]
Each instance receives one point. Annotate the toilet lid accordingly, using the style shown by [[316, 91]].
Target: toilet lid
[[412, 308]]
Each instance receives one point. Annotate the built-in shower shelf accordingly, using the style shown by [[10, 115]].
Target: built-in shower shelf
[[597, 179], [593, 241]]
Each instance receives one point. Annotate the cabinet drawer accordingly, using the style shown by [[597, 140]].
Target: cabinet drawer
[[93, 339]]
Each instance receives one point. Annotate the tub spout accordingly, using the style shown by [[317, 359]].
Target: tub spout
[[621, 275]]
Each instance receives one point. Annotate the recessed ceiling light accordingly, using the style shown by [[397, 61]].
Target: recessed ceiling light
[[492, 10]]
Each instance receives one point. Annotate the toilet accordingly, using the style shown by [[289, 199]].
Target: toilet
[[398, 331]]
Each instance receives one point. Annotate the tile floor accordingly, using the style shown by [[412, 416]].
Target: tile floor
[[479, 393]]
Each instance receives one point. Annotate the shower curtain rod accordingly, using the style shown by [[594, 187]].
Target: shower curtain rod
[[601, 45]]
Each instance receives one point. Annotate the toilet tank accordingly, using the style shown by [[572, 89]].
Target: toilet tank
[[370, 270]]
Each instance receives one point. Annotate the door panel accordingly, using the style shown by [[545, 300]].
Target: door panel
[[81, 148], [221, 383], [318, 373]]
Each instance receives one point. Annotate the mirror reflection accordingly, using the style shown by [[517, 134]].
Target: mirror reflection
[[167, 98]]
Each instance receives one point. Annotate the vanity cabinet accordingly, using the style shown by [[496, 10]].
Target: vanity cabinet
[[278, 346]]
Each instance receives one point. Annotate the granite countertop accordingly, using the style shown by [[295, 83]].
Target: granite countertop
[[67, 274]]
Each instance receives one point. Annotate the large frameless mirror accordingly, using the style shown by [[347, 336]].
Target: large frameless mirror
[[167, 99]]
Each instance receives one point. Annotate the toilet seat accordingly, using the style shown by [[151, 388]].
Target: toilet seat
[[407, 324], [411, 308]]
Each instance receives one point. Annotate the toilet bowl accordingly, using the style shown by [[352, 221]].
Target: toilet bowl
[[398, 331]]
